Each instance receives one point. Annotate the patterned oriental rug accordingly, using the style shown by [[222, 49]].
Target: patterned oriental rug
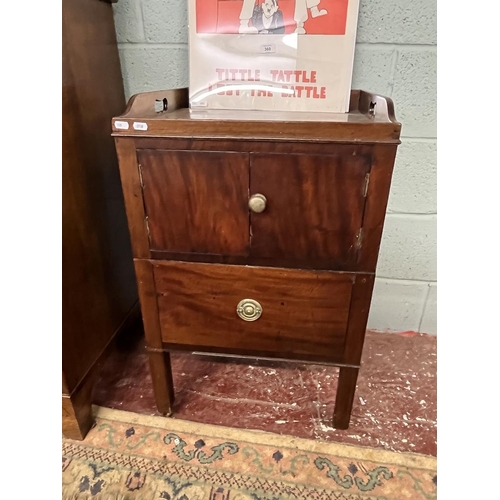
[[127, 456]]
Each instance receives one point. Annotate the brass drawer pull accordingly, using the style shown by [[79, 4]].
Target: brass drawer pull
[[249, 310], [257, 203]]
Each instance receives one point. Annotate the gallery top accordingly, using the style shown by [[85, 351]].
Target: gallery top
[[370, 119]]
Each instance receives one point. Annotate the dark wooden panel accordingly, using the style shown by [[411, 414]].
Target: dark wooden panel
[[314, 207], [98, 285], [77, 404], [304, 312], [196, 201]]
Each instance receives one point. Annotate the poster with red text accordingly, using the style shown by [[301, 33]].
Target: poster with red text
[[282, 55]]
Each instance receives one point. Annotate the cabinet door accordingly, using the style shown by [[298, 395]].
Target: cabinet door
[[314, 207], [196, 202]]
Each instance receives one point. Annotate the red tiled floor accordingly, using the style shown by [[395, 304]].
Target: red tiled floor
[[394, 407]]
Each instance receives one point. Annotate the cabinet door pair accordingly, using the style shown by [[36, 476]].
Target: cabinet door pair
[[198, 202]]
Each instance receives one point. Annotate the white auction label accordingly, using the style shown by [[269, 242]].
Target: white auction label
[[121, 125], [140, 126], [200, 104], [269, 48]]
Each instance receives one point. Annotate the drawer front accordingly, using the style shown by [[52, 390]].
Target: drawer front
[[196, 201], [315, 205], [303, 313]]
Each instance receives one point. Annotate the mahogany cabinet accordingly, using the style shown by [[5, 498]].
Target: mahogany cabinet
[[254, 233], [99, 292]]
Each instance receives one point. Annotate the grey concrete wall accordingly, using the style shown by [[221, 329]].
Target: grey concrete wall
[[395, 56]]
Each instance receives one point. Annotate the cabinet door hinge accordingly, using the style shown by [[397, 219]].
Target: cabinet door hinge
[[140, 176], [146, 220], [365, 187], [359, 239]]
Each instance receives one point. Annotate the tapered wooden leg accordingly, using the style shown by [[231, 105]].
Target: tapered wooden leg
[[159, 360], [345, 397], [163, 384]]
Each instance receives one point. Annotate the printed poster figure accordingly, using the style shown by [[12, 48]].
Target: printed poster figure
[[268, 18], [301, 15]]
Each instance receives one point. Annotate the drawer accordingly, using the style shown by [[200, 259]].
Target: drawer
[[303, 313]]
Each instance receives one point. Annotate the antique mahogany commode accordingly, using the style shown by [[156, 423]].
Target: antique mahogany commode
[[256, 233]]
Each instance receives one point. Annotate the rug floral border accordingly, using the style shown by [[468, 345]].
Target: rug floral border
[[157, 458]]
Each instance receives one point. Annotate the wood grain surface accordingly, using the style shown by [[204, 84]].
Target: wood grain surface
[[304, 312], [315, 205], [196, 201], [98, 285]]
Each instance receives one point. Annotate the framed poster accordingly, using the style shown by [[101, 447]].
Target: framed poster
[[287, 55]]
